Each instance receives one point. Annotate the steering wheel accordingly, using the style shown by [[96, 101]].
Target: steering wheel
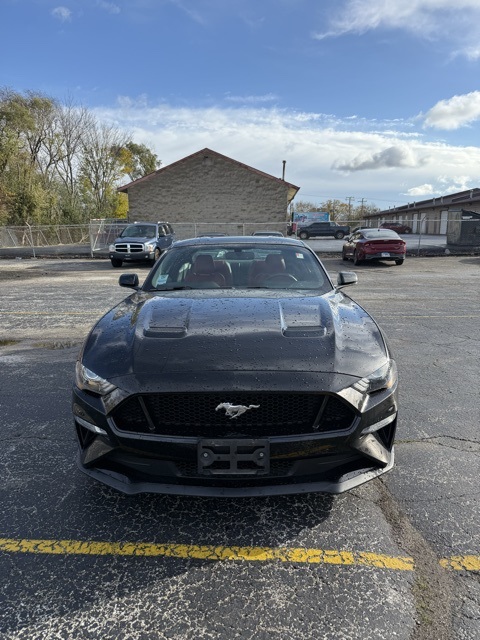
[[280, 279]]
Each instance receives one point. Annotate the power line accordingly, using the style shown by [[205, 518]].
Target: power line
[[316, 195]]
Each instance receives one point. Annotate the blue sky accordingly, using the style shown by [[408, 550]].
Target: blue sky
[[375, 99]]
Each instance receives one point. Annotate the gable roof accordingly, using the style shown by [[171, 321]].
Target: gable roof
[[292, 189]]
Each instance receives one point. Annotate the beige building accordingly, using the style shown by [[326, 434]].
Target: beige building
[[429, 216], [207, 187]]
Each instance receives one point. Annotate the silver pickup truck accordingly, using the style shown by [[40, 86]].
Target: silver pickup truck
[[141, 242]]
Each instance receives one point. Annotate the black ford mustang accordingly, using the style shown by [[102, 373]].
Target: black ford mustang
[[236, 369]]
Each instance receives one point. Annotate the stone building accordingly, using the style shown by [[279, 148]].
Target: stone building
[[207, 187]]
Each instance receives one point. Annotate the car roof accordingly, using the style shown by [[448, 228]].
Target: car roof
[[279, 234], [246, 240]]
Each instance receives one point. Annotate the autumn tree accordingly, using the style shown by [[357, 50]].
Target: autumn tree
[[24, 192], [59, 164], [142, 161], [102, 165]]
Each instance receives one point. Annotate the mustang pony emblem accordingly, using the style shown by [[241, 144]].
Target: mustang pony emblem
[[235, 410]]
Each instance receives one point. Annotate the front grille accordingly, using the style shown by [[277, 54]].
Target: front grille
[[277, 468], [129, 247], [194, 415]]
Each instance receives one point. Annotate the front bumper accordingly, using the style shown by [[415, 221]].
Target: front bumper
[[329, 461], [137, 256]]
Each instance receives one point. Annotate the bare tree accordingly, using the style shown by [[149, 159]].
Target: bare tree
[[102, 167]]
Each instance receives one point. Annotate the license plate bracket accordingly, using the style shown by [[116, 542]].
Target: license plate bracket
[[244, 457]]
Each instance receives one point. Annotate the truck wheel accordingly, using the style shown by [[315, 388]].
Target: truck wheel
[[339, 235], [303, 235], [116, 262]]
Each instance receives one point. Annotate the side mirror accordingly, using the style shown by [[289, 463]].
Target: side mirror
[[129, 280], [345, 278]]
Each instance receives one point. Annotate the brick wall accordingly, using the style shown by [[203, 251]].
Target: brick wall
[[208, 188]]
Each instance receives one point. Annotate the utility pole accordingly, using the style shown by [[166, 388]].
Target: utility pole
[[349, 198]]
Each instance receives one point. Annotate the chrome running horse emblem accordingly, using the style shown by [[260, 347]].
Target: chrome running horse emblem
[[235, 410]]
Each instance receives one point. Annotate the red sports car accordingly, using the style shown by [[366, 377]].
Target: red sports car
[[374, 244], [396, 226]]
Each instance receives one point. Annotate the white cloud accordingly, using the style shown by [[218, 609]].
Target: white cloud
[[269, 97], [111, 7], [457, 23], [421, 190], [192, 13], [398, 156], [62, 13], [455, 112], [379, 165]]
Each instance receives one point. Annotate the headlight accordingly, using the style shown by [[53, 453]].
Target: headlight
[[149, 247], [111, 247], [90, 381], [383, 378]]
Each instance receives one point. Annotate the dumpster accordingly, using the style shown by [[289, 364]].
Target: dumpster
[[463, 229]]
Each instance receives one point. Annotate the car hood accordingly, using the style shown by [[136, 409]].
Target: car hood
[[158, 334], [134, 239]]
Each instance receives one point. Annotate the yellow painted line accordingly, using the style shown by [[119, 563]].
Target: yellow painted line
[[208, 552], [462, 563], [223, 553]]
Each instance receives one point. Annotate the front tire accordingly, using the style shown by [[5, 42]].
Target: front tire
[[303, 235], [339, 235], [344, 255], [356, 259], [116, 262]]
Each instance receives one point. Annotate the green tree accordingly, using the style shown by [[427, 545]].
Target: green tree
[[24, 121], [141, 162], [303, 206]]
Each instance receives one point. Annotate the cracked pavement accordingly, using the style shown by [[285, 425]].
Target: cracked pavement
[[425, 509]]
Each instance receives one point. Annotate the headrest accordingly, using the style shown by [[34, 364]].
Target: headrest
[[204, 264], [275, 261]]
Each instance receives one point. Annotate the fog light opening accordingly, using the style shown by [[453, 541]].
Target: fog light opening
[[379, 425]]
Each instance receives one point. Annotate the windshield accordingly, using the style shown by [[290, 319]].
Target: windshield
[[379, 234], [139, 231], [239, 267]]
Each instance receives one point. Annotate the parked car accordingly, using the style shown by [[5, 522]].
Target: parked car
[[396, 226], [323, 229], [374, 244], [213, 234], [277, 234], [238, 368], [141, 242]]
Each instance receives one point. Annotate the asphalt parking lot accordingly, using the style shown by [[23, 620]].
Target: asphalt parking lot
[[396, 558]]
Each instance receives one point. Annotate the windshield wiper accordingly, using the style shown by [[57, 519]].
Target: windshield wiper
[[178, 287]]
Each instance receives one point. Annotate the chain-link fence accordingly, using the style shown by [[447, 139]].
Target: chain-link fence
[[104, 232], [44, 235], [94, 238]]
